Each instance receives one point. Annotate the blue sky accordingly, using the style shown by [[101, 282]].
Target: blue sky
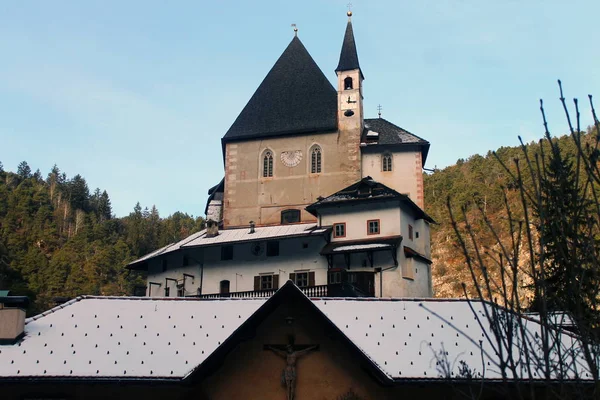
[[136, 95]]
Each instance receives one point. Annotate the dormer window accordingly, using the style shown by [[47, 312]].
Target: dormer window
[[268, 164], [348, 83], [386, 161], [290, 216]]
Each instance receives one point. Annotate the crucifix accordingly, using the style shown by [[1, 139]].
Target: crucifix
[[291, 353], [379, 110]]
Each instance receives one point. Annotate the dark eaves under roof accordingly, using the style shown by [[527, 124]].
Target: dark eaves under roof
[[295, 97], [367, 190], [389, 134], [348, 55], [214, 192]]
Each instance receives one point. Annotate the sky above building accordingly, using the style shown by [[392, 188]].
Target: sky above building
[[135, 96]]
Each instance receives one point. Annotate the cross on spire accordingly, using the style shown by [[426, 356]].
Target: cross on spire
[[379, 108], [295, 29], [349, 13]]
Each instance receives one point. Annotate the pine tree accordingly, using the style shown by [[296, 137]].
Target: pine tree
[[23, 170], [79, 193], [104, 207]]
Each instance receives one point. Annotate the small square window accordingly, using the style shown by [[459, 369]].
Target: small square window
[[226, 253], [373, 227], [305, 245], [301, 279], [273, 248], [266, 282], [410, 232], [339, 230]]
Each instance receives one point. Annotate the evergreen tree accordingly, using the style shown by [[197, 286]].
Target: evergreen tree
[[23, 170], [79, 193], [562, 210], [104, 207]]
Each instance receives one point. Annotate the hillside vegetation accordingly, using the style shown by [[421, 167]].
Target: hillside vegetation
[[480, 182], [59, 240]]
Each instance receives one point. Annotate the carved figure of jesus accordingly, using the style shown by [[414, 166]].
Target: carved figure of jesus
[[288, 375]]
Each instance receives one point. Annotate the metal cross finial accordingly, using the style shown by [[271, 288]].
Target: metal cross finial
[[295, 29], [379, 108], [349, 13]]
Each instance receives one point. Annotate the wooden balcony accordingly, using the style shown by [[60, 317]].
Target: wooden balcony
[[334, 290]]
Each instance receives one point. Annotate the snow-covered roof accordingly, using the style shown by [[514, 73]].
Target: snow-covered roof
[[121, 337], [199, 239], [428, 338], [144, 338], [363, 247], [260, 233], [169, 248]]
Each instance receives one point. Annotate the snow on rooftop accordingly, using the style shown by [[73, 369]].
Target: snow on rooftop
[[167, 338], [199, 239], [362, 247], [426, 338], [124, 338], [243, 234]]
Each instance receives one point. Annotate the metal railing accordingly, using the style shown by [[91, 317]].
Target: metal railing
[[310, 291], [333, 290]]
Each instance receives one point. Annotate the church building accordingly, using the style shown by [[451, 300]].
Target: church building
[[312, 280], [312, 192]]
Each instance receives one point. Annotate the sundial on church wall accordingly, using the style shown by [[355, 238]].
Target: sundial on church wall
[[291, 158]]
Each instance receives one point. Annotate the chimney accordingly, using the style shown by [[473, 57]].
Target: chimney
[[252, 226], [212, 228], [12, 318]]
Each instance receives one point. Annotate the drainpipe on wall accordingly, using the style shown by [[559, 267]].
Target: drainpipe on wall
[[381, 271]]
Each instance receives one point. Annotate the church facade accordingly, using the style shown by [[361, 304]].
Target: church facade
[[312, 192]]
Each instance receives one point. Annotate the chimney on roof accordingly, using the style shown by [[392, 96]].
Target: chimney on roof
[[252, 226], [12, 318], [212, 228]]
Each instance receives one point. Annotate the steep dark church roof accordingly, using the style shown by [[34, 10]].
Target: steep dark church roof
[[348, 55], [381, 132], [294, 97]]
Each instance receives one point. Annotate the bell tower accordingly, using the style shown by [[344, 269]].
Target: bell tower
[[350, 98]]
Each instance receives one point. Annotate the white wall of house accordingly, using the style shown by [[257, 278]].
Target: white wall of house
[[356, 216], [239, 271], [412, 278]]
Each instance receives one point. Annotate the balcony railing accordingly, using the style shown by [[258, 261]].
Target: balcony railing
[[334, 290]]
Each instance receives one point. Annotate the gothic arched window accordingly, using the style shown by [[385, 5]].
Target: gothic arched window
[[387, 162], [348, 83], [268, 164], [315, 160]]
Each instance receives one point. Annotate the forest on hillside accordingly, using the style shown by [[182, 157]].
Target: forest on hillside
[[482, 186], [58, 239]]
